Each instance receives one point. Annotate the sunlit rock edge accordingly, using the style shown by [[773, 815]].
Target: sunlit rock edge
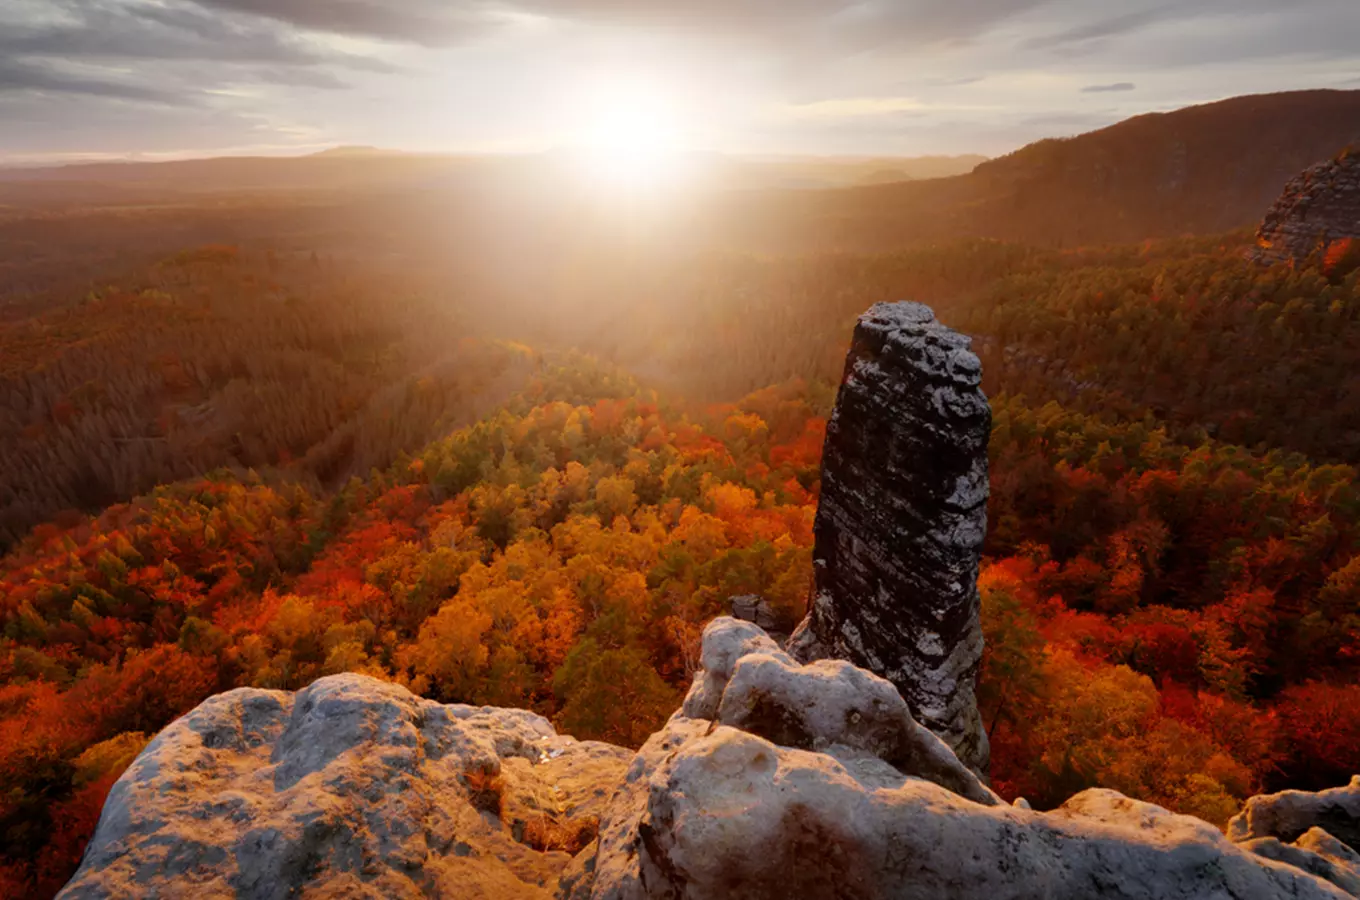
[[774, 779]]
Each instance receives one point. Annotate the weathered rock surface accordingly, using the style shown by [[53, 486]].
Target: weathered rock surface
[[773, 780], [901, 519], [1316, 852], [352, 787], [828, 706], [1318, 209], [756, 609], [820, 806], [1315, 832], [1289, 814]]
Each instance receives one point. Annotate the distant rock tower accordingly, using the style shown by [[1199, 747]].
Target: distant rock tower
[[1318, 211], [901, 521]]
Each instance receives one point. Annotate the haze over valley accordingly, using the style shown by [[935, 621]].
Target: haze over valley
[[947, 412]]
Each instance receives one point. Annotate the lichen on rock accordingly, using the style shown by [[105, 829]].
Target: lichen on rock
[[901, 520], [352, 787]]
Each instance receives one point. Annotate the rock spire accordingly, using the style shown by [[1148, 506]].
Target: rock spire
[[902, 517]]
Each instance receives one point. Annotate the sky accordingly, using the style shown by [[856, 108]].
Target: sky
[[165, 78]]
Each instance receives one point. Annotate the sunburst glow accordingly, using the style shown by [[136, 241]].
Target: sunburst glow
[[633, 136]]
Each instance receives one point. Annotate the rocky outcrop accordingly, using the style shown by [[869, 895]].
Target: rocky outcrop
[[901, 519], [1289, 814], [747, 682], [352, 787], [773, 780], [1317, 853], [1314, 832], [781, 781], [756, 609], [1317, 211]]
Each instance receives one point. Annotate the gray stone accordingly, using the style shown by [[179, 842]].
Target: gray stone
[[787, 790], [715, 812], [833, 707], [1317, 853], [774, 780], [755, 609], [1288, 814], [352, 787], [901, 520]]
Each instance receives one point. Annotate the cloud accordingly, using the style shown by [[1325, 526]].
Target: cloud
[[1101, 29], [170, 54], [143, 31], [16, 75], [853, 107], [67, 65], [954, 82], [866, 75], [428, 22], [444, 22]]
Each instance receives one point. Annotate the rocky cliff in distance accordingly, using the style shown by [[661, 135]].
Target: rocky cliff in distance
[[773, 780], [1319, 210], [901, 520]]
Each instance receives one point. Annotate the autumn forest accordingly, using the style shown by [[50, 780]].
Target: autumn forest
[[252, 456]]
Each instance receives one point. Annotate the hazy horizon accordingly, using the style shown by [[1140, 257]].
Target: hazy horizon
[[193, 78], [357, 150]]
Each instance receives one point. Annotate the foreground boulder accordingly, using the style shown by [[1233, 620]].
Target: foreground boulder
[[1289, 814], [1315, 832], [901, 519], [774, 780], [759, 788], [352, 787]]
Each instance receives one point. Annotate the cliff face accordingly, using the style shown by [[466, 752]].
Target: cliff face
[[901, 520], [1318, 210], [773, 780]]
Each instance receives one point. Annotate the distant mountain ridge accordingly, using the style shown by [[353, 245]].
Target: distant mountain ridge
[[1200, 170], [1204, 168], [363, 167]]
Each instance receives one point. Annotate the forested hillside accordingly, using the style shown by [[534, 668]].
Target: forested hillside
[[524, 468], [1173, 621], [209, 360]]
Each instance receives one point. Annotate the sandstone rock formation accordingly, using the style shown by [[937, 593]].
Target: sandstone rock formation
[[776, 781], [1289, 814], [754, 608], [901, 519], [748, 683], [1313, 832], [1317, 210], [352, 787], [773, 780], [1317, 853]]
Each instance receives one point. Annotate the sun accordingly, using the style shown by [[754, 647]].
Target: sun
[[632, 136]]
